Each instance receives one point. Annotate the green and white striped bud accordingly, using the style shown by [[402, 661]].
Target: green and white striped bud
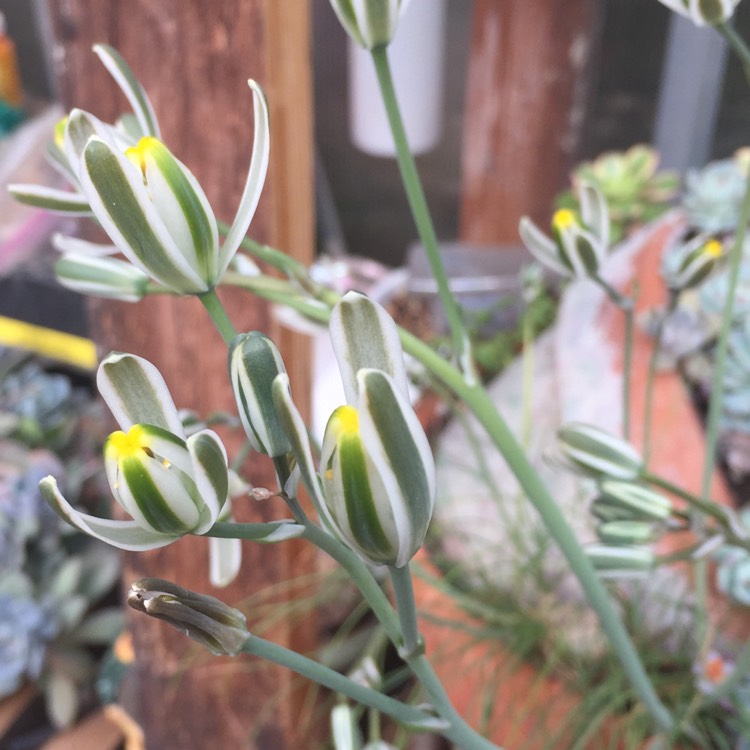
[[378, 473], [254, 362], [696, 260], [620, 562], [636, 501], [597, 453], [578, 246], [628, 532], [703, 12], [370, 23], [102, 277], [209, 621]]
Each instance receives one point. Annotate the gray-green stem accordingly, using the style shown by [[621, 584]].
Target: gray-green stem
[[419, 210], [477, 400], [406, 609], [218, 315], [322, 675]]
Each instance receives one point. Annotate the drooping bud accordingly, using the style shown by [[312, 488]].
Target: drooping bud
[[636, 501], [597, 453], [209, 621], [370, 23], [628, 532], [378, 473], [620, 562], [254, 362], [578, 246]]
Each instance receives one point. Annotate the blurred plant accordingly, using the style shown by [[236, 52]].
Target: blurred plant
[[52, 580], [713, 196], [633, 188]]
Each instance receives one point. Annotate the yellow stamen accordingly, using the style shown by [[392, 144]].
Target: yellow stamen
[[59, 133], [139, 153], [713, 248], [564, 218], [127, 444]]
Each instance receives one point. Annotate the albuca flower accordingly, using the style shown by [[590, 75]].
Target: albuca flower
[[692, 263], [147, 201], [376, 488], [598, 453], [370, 23], [577, 247], [169, 485], [703, 12]]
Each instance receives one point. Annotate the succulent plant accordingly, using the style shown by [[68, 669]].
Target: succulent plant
[[713, 196], [633, 188]]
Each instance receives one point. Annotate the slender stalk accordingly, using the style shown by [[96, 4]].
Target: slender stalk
[[626, 305], [477, 400], [419, 210], [322, 675], [651, 376], [218, 315], [738, 45], [406, 608]]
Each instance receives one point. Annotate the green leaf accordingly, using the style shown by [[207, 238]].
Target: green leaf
[[130, 86]]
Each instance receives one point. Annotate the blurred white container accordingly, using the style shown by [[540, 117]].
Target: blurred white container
[[417, 61]]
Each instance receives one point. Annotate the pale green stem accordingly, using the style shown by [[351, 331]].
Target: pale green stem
[[651, 376], [738, 45], [407, 611], [218, 315], [477, 400], [331, 679], [626, 305], [419, 210], [717, 398]]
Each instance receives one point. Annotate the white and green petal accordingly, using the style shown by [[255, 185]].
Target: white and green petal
[[254, 363], [256, 177], [51, 199], [76, 246], [208, 458], [364, 336], [595, 214], [102, 277], [124, 207], [637, 501], [598, 453], [542, 247], [134, 92], [127, 535], [370, 23], [135, 392], [703, 12]]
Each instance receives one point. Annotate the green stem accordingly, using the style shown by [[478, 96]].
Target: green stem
[[651, 376], [218, 315], [406, 608], [419, 210], [738, 45], [331, 679], [482, 406], [626, 305]]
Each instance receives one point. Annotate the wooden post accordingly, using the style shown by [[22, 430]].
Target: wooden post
[[194, 58], [525, 105]]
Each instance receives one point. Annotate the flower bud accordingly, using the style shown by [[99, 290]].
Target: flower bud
[[254, 362], [627, 532], [703, 12], [217, 626], [577, 246], [370, 23], [694, 262], [620, 562], [101, 277], [635, 501], [597, 453], [378, 473]]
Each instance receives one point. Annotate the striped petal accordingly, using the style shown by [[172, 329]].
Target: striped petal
[[127, 535], [123, 206], [594, 212], [209, 464], [57, 201], [256, 176], [365, 336], [136, 393], [75, 246], [101, 277], [130, 86], [541, 246], [597, 452]]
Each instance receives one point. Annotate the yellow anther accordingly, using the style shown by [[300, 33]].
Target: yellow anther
[[713, 248], [563, 218], [127, 444]]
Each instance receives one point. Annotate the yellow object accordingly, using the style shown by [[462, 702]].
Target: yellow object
[[65, 347], [10, 78]]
